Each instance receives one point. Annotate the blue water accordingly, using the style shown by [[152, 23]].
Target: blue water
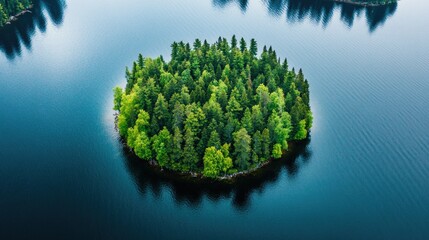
[[364, 173]]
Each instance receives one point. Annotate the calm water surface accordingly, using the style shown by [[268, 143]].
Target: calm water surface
[[364, 173]]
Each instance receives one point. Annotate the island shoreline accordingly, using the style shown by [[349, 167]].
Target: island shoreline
[[16, 16], [198, 176], [196, 140]]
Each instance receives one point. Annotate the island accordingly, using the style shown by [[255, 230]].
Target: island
[[367, 3], [214, 110], [11, 9]]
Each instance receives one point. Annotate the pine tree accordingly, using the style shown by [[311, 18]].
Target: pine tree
[[141, 61], [233, 42], [253, 47], [242, 45]]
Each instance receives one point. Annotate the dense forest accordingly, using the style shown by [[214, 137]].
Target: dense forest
[[9, 8], [213, 109]]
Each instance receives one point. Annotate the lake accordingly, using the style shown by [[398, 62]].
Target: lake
[[364, 174]]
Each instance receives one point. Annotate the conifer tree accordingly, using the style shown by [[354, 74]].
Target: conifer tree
[[253, 47]]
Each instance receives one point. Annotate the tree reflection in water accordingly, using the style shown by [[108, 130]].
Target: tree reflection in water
[[320, 11], [151, 180], [18, 34]]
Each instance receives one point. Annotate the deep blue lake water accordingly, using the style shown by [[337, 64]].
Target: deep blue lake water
[[364, 174]]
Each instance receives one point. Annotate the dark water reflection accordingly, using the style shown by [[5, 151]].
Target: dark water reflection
[[321, 11], [18, 34], [192, 191]]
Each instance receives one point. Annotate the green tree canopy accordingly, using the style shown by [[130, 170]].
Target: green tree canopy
[[188, 114]]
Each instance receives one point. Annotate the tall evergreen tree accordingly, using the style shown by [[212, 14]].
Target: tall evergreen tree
[[242, 45], [253, 47], [233, 42]]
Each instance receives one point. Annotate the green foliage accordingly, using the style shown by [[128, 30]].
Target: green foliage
[[279, 126], [258, 118], [266, 145], [257, 147], [117, 95], [122, 125], [190, 112], [253, 47], [9, 8], [142, 146], [211, 159], [214, 140], [277, 151], [302, 132], [162, 147], [142, 122], [3, 16], [242, 45], [216, 162], [242, 149], [247, 122], [309, 120], [161, 111], [263, 97], [176, 151]]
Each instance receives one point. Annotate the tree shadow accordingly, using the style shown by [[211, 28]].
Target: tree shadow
[[191, 191], [321, 11], [15, 36]]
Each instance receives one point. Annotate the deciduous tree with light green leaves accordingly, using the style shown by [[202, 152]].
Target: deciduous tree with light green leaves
[[162, 147], [215, 162]]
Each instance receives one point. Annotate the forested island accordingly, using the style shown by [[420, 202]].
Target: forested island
[[10, 8], [372, 3], [213, 110]]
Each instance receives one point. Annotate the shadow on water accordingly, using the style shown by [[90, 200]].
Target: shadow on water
[[321, 11], [190, 191], [18, 34]]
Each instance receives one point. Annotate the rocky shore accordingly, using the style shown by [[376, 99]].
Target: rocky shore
[[14, 18]]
